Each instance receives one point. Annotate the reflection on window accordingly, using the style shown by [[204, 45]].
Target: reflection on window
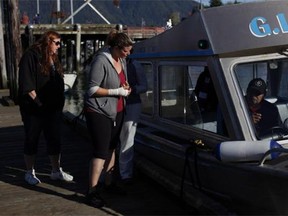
[[147, 98], [176, 88], [178, 100], [246, 72], [275, 74], [283, 86]]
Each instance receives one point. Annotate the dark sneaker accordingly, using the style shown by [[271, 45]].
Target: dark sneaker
[[127, 181], [95, 200], [114, 189], [31, 178]]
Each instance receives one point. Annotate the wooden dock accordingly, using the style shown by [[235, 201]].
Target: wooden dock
[[94, 30], [82, 38], [144, 197]]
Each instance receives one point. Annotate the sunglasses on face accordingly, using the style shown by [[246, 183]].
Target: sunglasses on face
[[57, 43]]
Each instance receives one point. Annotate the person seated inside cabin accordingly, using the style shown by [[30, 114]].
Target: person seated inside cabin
[[264, 114], [206, 95]]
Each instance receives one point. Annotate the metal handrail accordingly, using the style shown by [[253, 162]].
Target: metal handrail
[[274, 150]]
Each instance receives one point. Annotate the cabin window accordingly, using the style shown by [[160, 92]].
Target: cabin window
[[246, 72], [148, 97], [178, 100], [275, 73]]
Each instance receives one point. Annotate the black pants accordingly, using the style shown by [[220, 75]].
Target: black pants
[[104, 132], [49, 124]]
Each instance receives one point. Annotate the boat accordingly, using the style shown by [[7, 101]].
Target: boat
[[69, 80], [214, 160]]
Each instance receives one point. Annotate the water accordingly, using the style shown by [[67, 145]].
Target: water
[[74, 97]]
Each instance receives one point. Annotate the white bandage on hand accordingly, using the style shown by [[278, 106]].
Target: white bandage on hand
[[119, 91]]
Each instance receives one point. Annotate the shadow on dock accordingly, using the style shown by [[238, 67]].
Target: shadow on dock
[[144, 197]]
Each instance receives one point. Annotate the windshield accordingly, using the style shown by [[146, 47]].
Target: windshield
[[264, 86]]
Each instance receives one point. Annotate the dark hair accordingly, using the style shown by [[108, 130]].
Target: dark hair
[[43, 46], [118, 39]]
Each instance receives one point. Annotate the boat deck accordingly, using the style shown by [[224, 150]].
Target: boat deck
[[144, 197]]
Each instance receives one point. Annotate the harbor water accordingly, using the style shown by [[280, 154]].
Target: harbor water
[[74, 96]]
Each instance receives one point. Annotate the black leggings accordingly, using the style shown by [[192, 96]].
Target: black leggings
[[50, 124], [104, 133]]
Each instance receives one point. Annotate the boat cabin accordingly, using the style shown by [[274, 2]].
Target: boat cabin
[[235, 47], [198, 74]]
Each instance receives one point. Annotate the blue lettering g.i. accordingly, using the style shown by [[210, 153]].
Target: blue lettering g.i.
[[259, 28], [282, 22]]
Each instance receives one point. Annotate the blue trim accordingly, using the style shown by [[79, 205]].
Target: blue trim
[[188, 53], [274, 144], [218, 151]]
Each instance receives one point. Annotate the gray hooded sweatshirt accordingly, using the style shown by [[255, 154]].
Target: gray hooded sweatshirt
[[103, 74]]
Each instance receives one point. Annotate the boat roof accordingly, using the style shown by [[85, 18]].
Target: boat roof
[[227, 29]]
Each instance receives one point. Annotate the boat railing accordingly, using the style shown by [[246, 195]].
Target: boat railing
[[272, 151]]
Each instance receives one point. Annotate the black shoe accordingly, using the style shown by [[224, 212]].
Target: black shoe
[[115, 189], [95, 200], [127, 181]]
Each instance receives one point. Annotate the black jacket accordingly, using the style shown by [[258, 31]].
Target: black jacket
[[49, 88]]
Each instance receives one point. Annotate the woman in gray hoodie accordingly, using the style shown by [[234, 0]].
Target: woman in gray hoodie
[[104, 107]]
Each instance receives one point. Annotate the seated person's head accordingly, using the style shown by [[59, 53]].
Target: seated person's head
[[256, 91]]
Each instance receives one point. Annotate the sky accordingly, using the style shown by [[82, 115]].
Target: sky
[[206, 2]]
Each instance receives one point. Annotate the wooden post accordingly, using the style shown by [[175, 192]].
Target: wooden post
[[78, 47], [70, 55], [63, 54], [13, 44], [3, 72]]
